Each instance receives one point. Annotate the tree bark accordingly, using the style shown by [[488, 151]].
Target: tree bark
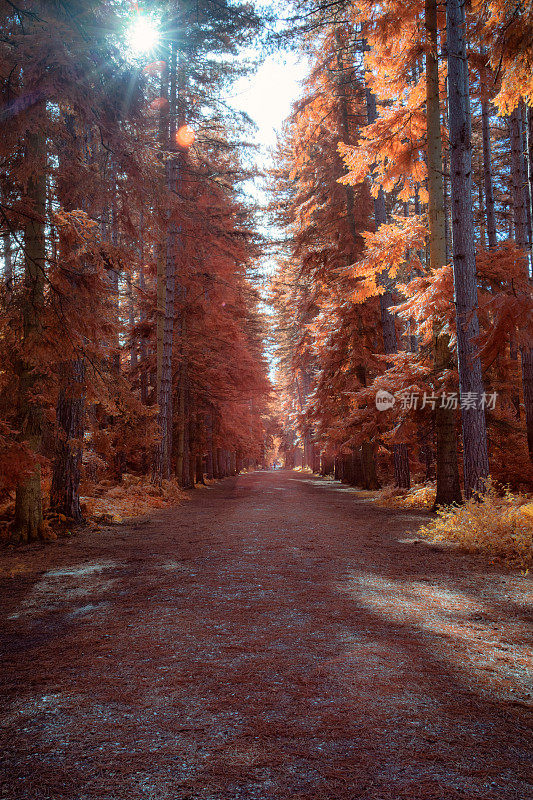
[[143, 344], [530, 153], [164, 119], [525, 160], [28, 524], [8, 266], [199, 469], [180, 422], [210, 459], [70, 409], [519, 199], [185, 478], [518, 180], [113, 275], [476, 461], [131, 324], [368, 463], [346, 133], [448, 484], [64, 492], [350, 203], [487, 175], [164, 449]]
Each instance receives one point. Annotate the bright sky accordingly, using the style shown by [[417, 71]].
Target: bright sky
[[268, 95], [267, 98]]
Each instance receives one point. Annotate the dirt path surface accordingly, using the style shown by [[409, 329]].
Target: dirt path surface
[[276, 637]]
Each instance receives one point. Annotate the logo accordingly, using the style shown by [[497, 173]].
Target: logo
[[384, 400]]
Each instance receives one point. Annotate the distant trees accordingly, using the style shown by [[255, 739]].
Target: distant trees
[[96, 194], [452, 318]]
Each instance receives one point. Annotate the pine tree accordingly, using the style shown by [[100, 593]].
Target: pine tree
[[476, 463]]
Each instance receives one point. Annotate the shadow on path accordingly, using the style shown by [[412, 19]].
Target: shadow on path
[[274, 638]]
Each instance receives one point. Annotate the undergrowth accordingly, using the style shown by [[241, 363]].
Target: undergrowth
[[500, 524], [132, 498], [420, 496]]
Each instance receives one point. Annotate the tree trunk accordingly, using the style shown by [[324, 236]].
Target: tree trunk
[[524, 132], [180, 424], [113, 276], [350, 206], [519, 198], [143, 347], [70, 409], [482, 217], [8, 266], [368, 462], [401, 466], [28, 523], [526, 354], [199, 469], [447, 233], [186, 470], [160, 315], [386, 300], [346, 133], [369, 479], [220, 463], [165, 395], [131, 324], [192, 469], [64, 492], [476, 461], [426, 454], [530, 153], [164, 118], [209, 462], [163, 456], [357, 467], [316, 458], [193, 444], [518, 179], [487, 176], [448, 484]]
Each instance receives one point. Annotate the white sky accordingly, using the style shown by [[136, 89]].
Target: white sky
[[268, 95]]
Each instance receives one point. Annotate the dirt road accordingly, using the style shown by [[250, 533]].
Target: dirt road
[[276, 637]]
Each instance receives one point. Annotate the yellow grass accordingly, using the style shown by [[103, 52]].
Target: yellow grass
[[134, 497], [421, 496], [500, 525]]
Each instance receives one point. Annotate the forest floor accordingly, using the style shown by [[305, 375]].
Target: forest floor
[[279, 636]]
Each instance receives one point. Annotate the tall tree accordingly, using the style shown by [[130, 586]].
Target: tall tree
[[476, 462], [28, 523], [390, 341], [448, 485]]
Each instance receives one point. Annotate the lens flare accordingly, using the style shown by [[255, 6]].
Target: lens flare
[[143, 34], [155, 68], [159, 104], [185, 136]]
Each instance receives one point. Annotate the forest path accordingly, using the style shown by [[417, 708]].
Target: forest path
[[276, 637]]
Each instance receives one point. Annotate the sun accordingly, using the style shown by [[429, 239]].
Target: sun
[[143, 34]]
